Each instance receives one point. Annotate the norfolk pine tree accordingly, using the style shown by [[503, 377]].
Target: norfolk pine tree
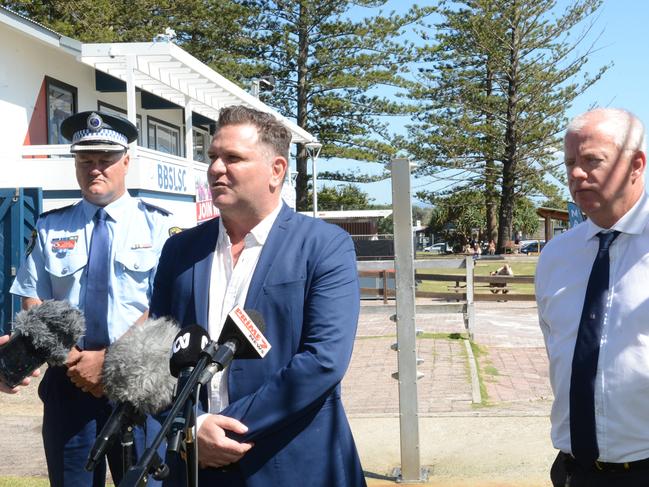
[[500, 78], [327, 66]]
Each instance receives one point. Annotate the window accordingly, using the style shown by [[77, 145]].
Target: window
[[163, 137], [61, 103], [113, 110], [202, 142]]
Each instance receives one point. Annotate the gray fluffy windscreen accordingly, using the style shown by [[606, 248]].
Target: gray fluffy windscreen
[[53, 327], [136, 367]]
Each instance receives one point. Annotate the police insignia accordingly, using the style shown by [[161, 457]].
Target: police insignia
[[32, 242], [64, 243], [174, 230]]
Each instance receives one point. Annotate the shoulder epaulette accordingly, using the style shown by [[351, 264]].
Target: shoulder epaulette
[[55, 210], [159, 209]]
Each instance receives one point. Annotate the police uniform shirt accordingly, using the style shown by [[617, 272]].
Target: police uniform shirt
[[55, 267]]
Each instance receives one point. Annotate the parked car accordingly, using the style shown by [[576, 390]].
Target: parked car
[[532, 247], [439, 248]]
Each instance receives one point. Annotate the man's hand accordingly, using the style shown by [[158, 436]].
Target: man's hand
[[214, 448], [13, 390], [84, 370]]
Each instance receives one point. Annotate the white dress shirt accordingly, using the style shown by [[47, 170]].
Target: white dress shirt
[[622, 382], [229, 288]]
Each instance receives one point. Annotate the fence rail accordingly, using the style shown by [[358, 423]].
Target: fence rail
[[457, 291]]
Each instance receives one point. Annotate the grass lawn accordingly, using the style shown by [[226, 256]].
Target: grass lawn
[[23, 482], [482, 268], [29, 482]]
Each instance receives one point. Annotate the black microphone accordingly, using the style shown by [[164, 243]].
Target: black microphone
[[187, 347], [135, 377], [43, 333], [241, 337]]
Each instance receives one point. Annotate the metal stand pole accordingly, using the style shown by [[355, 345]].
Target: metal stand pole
[[128, 451], [404, 257]]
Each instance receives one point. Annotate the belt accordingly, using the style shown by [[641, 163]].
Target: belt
[[608, 466]]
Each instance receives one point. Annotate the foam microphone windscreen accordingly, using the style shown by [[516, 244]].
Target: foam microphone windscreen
[[135, 366], [53, 328], [43, 333], [187, 347]]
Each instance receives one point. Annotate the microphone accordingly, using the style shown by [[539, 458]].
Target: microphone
[[193, 348], [187, 347], [43, 333], [135, 377], [241, 337]]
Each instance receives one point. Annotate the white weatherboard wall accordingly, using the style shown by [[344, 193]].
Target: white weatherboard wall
[[30, 60], [29, 53], [25, 61]]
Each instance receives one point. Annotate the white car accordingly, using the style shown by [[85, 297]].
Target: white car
[[438, 248]]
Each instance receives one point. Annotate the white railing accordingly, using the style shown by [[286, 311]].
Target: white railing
[[53, 150], [51, 167]]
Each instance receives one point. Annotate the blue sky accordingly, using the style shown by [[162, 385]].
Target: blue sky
[[622, 25]]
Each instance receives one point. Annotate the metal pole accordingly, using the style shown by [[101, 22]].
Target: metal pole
[[131, 103], [189, 130], [405, 313], [314, 171], [254, 88], [313, 150]]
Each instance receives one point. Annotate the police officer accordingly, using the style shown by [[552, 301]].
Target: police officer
[[99, 254]]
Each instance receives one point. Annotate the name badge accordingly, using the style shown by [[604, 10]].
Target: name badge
[[64, 243]]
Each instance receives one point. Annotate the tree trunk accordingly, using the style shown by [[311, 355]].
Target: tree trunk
[[491, 193], [301, 184], [491, 201], [510, 160]]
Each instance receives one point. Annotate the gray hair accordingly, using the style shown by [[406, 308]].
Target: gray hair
[[271, 131], [623, 126]]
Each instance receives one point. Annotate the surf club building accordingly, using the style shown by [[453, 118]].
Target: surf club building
[[172, 97]]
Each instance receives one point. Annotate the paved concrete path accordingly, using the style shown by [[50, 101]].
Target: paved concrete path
[[502, 442]]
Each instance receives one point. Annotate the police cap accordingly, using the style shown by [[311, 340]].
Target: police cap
[[98, 132]]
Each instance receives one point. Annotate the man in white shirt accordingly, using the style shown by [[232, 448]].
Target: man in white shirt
[[593, 304]]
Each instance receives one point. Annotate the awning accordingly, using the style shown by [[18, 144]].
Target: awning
[[166, 70]]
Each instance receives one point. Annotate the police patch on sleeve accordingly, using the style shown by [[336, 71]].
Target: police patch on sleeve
[[32, 242], [174, 230]]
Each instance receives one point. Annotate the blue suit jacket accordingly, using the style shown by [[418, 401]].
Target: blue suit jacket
[[306, 287]]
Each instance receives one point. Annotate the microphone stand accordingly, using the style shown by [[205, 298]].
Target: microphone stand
[[182, 430], [191, 447], [126, 417], [150, 462], [128, 452]]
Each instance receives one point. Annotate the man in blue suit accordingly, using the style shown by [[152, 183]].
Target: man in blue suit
[[277, 421]]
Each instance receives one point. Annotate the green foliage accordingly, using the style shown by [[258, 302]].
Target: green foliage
[[328, 67], [557, 201], [525, 217], [460, 216], [454, 217], [386, 226], [348, 197], [492, 98], [214, 31]]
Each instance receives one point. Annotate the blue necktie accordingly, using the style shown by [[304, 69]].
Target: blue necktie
[[96, 305], [584, 362]]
